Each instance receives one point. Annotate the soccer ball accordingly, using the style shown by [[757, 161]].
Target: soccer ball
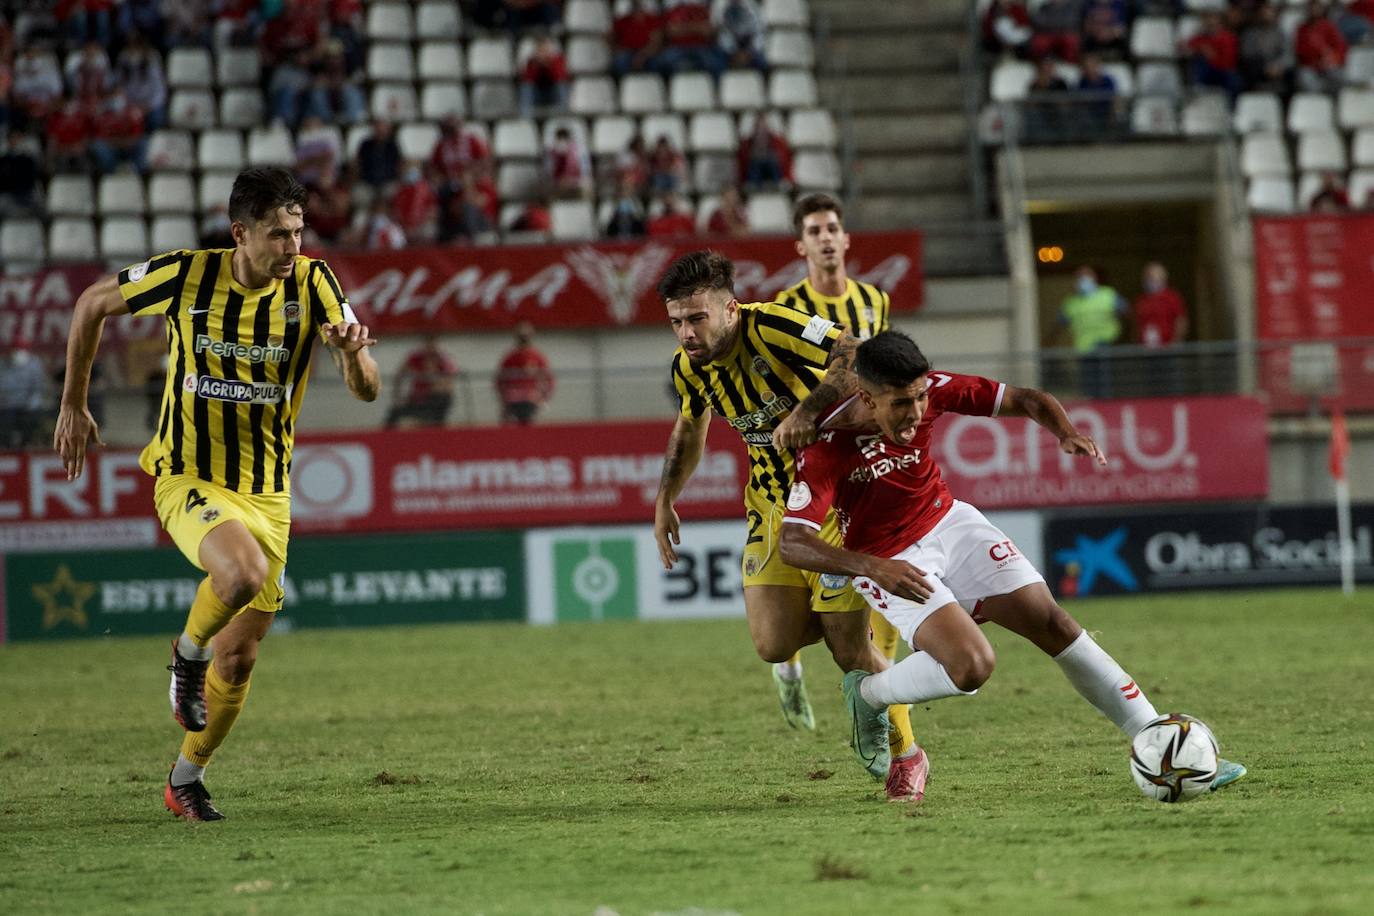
[[1174, 758]]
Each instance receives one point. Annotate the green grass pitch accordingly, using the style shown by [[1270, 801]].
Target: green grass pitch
[[643, 768]]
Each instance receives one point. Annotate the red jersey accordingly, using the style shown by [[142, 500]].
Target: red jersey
[[634, 31], [1220, 49], [524, 377], [672, 224], [886, 496], [454, 155], [1156, 317]]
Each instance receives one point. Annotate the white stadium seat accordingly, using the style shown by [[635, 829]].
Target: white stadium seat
[[271, 146], [1359, 65], [792, 89], [692, 92], [588, 54], [1158, 79], [590, 16], [1258, 112], [787, 13], [389, 22], [1321, 151], [493, 99], [770, 213], [611, 134], [515, 139], [1264, 154], [172, 232], [669, 125], [394, 102], [171, 150], [1362, 148], [71, 195], [417, 141], [490, 58], [712, 132], [1154, 116], [811, 128], [21, 242], [242, 108], [124, 238], [121, 194], [1270, 194], [72, 238], [642, 93], [742, 90], [789, 48], [1355, 108], [171, 194], [190, 68], [714, 172], [390, 63], [592, 95], [441, 61], [213, 190], [1361, 184], [1153, 37], [519, 180], [816, 171], [1310, 111], [439, 100], [572, 220], [1206, 115], [220, 150], [192, 109], [1309, 183], [237, 66], [438, 19], [1123, 76], [1011, 80]]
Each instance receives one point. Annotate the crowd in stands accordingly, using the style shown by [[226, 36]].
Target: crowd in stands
[[85, 85]]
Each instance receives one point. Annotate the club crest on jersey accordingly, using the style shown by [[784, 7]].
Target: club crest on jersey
[[275, 341], [761, 366], [831, 580], [138, 272], [291, 311], [751, 565], [209, 515]]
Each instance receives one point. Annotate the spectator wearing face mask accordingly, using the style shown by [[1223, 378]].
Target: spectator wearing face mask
[[1091, 316]]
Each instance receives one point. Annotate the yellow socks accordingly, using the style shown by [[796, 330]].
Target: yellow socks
[[223, 703], [208, 615]]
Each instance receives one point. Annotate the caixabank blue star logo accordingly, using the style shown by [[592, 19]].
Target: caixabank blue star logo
[[1094, 557]]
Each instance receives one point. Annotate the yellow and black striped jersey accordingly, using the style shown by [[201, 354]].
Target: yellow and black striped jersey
[[862, 310], [237, 361], [778, 359]]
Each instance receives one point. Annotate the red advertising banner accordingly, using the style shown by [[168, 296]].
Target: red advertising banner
[[590, 285], [1159, 450], [36, 309]]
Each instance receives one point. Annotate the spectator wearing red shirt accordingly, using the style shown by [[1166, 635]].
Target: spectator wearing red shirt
[[690, 39], [69, 134], [1007, 28], [765, 160], [459, 152], [296, 29], [424, 386], [731, 216], [523, 380], [535, 217], [638, 38], [667, 167], [415, 206], [567, 167], [1160, 318], [330, 206], [1215, 55], [672, 221], [544, 81], [1320, 50], [117, 134], [1056, 24]]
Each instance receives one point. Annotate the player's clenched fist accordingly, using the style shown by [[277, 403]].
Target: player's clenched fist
[[901, 579]]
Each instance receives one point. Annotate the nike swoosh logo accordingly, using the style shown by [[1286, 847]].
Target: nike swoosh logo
[[831, 596], [197, 311]]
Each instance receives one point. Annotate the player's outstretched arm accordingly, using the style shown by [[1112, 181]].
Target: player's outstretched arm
[[805, 549], [798, 429], [348, 345], [75, 425], [1045, 409], [685, 445]]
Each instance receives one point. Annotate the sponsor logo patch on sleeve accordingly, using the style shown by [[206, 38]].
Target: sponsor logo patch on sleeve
[[816, 329], [138, 271], [800, 497]]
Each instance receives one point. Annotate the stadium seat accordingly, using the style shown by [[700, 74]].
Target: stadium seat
[[611, 134], [171, 194], [510, 212], [21, 242], [572, 220], [515, 139], [519, 181], [1264, 154], [1258, 112], [394, 102], [1011, 80], [1289, 20], [71, 195], [689, 92], [786, 13], [490, 58], [655, 126], [417, 140], [242, 108], [713, 173], [792, 89], [1206, 115], [1362, 148], [192, 109], [390, 63], [1152, 37], [1158, 79], [590, 16], [237, 66], [588, 54], [712, 132], [642, 93], [742, 90], [1310, 111], [213, 190], [354, 139], [1359, 65], [1355, 108], [171, 150], [811, 128], [439, 100], [124, 238], [816, 171], [770, 213], [1123, 76], [1154, 116], [1321, 151], [1309, 183], [172, 232], [1069, 73], [441, 61], [438, 19], [592, 95], [789, 48], [1360, 187], [1206, 6], [1185, 27], [1270, 194], [748, 119], [220, 150], [271, 146], [121, 194], [493, 100], [190, 68], [388, 22], [72, 238]]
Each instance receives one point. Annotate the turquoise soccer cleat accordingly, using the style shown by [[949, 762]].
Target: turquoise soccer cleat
[[796, 707], [1227, 772], [869, 735]]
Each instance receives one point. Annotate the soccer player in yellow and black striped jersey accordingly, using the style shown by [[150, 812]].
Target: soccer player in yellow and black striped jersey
[[768, 371], [241, 327], [862, 309]]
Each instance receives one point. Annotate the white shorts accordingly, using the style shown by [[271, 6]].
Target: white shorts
[[966, 558]]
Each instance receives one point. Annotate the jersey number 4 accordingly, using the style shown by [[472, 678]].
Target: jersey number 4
[[194, 501]]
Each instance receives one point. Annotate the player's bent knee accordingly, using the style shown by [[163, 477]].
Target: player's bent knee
[[973, 668], [239, 582], [775, 651]]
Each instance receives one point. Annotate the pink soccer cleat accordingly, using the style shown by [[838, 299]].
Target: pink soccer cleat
[[906, 777]]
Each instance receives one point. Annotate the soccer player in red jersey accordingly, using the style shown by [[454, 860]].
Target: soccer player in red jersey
[[920, 557]]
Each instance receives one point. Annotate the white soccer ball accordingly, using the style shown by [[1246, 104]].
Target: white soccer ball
[[1174, 758]]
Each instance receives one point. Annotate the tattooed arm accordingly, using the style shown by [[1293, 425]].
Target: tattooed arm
[[799, 429], [685, 445]]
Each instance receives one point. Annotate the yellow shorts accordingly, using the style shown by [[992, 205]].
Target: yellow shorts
[[763, 566], [190, 508]]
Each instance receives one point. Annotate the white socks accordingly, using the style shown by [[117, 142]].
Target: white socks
[[789, 671], [185, 772], [915, 679], [187, 649], [1100, 680]]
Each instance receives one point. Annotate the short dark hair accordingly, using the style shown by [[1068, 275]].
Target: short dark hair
[[890, 359], [697, 271], [258, 192], [815, 203]]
